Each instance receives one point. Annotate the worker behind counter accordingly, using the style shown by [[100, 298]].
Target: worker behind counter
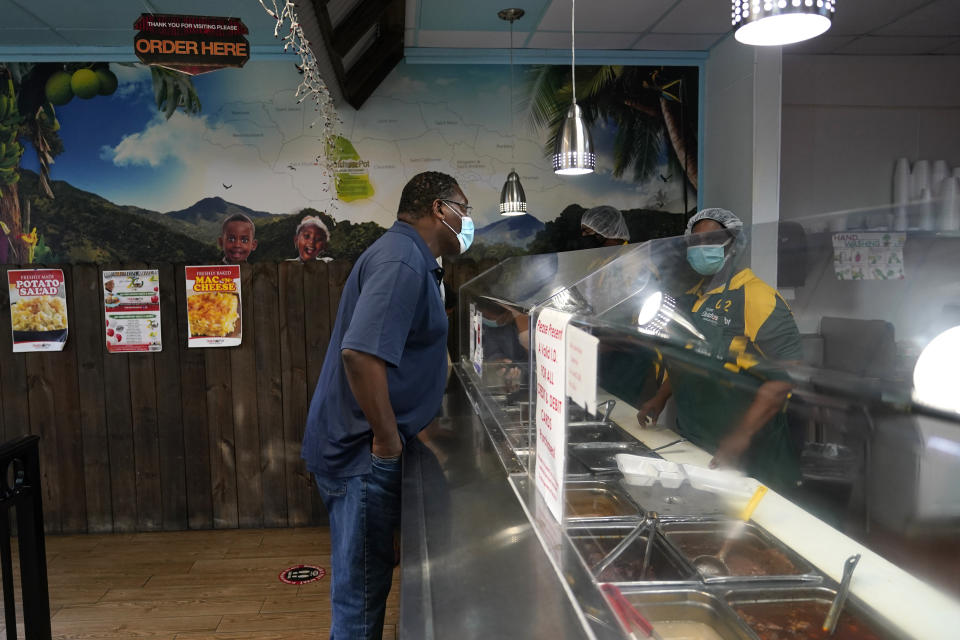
[[501, 337], [732, 404]]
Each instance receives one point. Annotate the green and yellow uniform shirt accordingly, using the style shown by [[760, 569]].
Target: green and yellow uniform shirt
[[748, 329]]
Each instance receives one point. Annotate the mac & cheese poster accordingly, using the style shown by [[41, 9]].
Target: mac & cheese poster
[[38, 309], [213, 306]]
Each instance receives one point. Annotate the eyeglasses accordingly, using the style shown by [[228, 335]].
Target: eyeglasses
[[463, 205], [721, 237]]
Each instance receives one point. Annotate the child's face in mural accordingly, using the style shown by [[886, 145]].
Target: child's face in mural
[[237, 241], [310, 242]]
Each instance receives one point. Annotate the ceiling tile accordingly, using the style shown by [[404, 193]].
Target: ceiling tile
[[30, 38], [820, 44], [856, 18], [696, 16], [893, 45], [445, 15], [606, 15], [938, 18], [15, 17], [469, 39], [561, 40], [678, 41], [99, 37]]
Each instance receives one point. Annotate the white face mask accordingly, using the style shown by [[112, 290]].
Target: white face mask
[[465, 237]]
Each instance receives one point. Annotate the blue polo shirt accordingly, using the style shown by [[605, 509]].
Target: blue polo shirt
[[390, 308]]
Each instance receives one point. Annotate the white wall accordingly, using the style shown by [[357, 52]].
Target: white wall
[[846, 119], [742, 142]]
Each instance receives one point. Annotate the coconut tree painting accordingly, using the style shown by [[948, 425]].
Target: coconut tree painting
[[654, 110], [29, 95]]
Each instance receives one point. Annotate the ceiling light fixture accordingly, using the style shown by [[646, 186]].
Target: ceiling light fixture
[[779, 22], [574, 151], [513, 201]]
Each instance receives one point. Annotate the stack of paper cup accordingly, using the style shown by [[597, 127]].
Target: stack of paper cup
[[919, 179], [949, 215], [926, 211], [940, 173], [901, 193]]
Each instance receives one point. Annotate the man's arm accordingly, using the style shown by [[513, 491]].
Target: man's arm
[[769, 400], [367, 377], [652, 408]]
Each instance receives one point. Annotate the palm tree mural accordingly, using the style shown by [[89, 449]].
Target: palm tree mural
[[653, 108], [29, 94]]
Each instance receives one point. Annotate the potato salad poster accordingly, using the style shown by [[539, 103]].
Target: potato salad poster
[[38, 309], [213, 306]]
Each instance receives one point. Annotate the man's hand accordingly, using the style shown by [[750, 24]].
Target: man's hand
[[652, 408], [387, 447], [730, 449]]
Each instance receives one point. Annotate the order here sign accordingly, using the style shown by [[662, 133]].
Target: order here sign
[[191, 44]]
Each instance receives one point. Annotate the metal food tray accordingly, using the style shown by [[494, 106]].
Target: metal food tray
[[774, 594], [693, 605], [805, 572], [600, 457], [623, 507], [592, 432], [603, 537]]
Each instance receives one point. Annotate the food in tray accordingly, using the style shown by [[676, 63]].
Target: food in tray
[[109, 285], [629, 566], [747, 556], [111, 299], [212, 314], [800, 620], [596, 503], [40, 313], [685, 630]]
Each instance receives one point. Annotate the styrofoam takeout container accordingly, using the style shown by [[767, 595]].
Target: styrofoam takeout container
[[720, 480], [644, 471]]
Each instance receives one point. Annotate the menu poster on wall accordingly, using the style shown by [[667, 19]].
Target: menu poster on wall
[[582, 368], [869, 256], [38, 309], [213, 306], [551, 408], [131, 308]]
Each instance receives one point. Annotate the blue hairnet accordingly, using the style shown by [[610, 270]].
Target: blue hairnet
[[722, 216], [607, 222]]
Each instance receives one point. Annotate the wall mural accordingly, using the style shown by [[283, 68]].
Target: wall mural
[[120, 162]]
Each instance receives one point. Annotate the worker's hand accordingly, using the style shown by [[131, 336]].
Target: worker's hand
[[390, 447], [650, 411], [730, 449], [510, 376]]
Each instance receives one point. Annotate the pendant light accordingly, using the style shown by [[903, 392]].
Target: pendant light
[[513, 201], [573, 154], [779, 22]]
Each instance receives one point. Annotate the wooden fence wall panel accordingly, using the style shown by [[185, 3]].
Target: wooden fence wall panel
[[14, 399], [123, 478], [243, 367], [270, 394], [60, 371], [295, 396], [223, 465], [170, 421], [87, 332], [43, 420], [320, 283], [193, 403], [146, 441]]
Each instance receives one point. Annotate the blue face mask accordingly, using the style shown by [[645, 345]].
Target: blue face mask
[[493, 324], [465, 237], [706, 259]]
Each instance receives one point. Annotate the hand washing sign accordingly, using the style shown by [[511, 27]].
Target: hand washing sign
[[869, 256]]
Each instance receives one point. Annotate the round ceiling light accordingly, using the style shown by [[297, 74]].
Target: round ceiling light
[[780, 22]]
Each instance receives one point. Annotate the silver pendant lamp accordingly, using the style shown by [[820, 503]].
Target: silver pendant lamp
[[573, 154], [780, 22], [513, 201]]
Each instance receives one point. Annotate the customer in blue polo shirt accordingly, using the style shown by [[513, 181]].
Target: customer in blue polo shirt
[[382, 382]]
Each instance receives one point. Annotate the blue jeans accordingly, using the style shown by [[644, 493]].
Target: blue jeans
[[364, 512]]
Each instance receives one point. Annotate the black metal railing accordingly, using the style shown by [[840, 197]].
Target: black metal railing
[[20, 490]]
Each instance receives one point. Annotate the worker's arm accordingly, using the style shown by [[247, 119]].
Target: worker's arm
[[769, 400], [652, 408], [367, 377]]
